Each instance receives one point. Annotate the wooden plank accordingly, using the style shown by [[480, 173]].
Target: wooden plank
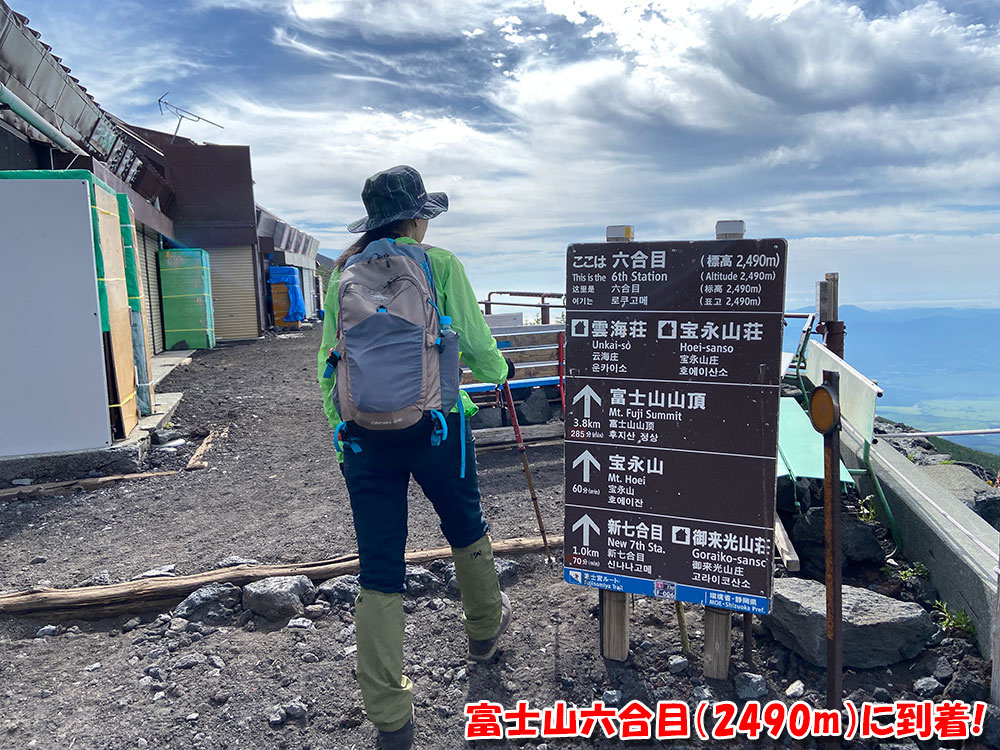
[[143, 306], [718, 623], [119, 315], [514, 341], [532, 354], [195, 461], [529, 433], [786, 551], [72, 485], [93, 601], [545, 369], [614, 625]]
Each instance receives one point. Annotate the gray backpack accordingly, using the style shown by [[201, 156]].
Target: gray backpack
[[396, 358]]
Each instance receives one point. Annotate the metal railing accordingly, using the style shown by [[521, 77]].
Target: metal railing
[[542, 304]]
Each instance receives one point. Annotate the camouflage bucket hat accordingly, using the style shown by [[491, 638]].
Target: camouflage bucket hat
[[394, 195]]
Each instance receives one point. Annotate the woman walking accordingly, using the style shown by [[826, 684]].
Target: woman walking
[[397, 412]]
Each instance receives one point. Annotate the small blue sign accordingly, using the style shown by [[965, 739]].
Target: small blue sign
[[669, 590]]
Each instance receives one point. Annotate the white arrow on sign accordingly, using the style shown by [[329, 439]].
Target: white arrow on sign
[[587, 395], [587, 460], [588, 525]]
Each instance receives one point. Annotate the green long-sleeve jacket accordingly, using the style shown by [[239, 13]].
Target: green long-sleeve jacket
[[456, 299]]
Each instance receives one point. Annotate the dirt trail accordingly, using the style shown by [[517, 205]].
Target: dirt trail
[[273, 493]]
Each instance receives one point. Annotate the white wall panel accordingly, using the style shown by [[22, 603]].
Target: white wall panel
[[53, 391]]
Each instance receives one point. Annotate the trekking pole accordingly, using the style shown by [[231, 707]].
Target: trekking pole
[[527, 469]]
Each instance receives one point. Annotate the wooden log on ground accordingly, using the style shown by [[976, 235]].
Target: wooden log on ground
[[70, 486], [134, 596], [195, 461]]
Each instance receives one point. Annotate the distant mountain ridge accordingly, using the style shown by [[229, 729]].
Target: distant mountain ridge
[[937, 366]]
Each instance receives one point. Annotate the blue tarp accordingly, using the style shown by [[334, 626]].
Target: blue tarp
[[290, 278]]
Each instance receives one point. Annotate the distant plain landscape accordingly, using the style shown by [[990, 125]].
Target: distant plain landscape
[[937, 366]]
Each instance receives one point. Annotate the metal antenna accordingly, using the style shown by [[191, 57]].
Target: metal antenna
[[181, 115]]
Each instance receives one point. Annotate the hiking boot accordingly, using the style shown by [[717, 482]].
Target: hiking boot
[[484, 650], [399, 739]]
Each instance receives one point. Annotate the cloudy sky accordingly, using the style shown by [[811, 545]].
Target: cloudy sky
[[867, 134]]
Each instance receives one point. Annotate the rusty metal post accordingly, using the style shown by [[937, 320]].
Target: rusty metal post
[[748, 637], [834, 552]]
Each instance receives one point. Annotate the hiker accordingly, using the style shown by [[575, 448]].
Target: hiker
[[370, 380]]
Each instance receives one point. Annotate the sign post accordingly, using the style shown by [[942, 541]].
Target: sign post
[[673, 365]]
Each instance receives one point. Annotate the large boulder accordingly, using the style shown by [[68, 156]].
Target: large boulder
[[214, 604], [859, 541], [279, 598], [535, 409], [878, 631]]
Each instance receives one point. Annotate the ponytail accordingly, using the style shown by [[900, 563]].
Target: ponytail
[[400, 228]]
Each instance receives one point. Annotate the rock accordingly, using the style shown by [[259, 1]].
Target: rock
[[38, 559], [93, 667], [279, 598], [486, 418], [749, 686], [677, 664], [296, 709], [300, 623], [506, 569], [276, 716], [177, 625], [877, 630], [535, 409], [309, 657], [164, 571], [73, 631], [165, 435], [702, 693], [220, 698], [192, 717], [966, 685], [214, 604], [190, 660], [102, 578], [612, 698], [881, 695], [927, 687], [934, 666], [22, 482], [340, 589], [991, 727], [420, 581], [796, 690], [859, 538], [315, 611], [47, 630], [216, 662], [234, 560], [131, 625]]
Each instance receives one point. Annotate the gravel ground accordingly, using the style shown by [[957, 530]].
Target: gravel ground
[[273, 493]]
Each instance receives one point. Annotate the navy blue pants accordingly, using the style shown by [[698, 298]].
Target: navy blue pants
[[377, 479]]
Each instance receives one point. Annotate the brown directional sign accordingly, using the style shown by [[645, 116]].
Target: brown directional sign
[[672, 357], [702, 417], [707, 347]]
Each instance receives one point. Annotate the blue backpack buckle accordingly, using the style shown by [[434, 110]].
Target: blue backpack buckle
[[331, 363], [439, 432]]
